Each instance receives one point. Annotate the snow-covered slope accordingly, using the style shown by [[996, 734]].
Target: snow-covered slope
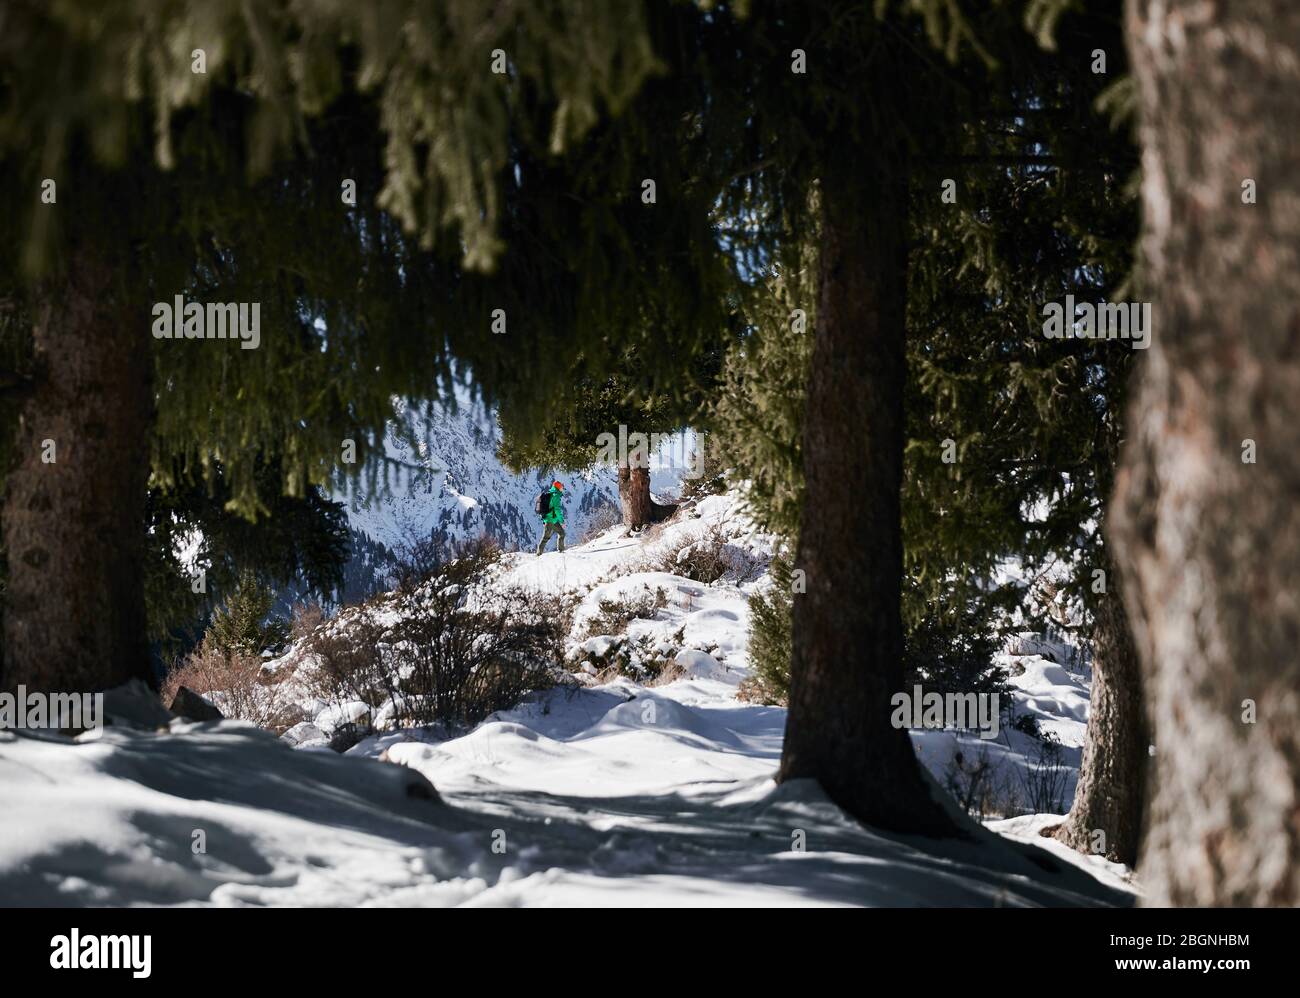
[[612, 792], [449, 485]]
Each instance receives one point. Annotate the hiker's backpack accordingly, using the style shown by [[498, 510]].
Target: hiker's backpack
[[543, 504]]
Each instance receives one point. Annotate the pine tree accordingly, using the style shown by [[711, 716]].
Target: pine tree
[[243, 623], [298, 540], [1041, 210], [231, 184]]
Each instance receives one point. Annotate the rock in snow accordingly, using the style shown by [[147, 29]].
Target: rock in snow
[[192, 707]]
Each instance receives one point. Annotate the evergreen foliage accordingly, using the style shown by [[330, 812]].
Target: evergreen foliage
[[756, 415], [951, 652], [1044, 208], [582, 409], [301, 539], [467, 185], [243, 624], [770, 617]]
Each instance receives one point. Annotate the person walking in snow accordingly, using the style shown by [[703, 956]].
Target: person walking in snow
[[551, 505]]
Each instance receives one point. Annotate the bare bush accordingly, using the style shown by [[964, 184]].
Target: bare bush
[[1043, 784], [419, 559], [416, 560], [752, 689], [307, 617], [709, 557], [971, 781], [465, 663], [236, 683], [348, 660], [613, 615], [450, 651]]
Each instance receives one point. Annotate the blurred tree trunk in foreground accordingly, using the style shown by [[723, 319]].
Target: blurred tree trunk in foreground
[[74, 504], [1207, 517]]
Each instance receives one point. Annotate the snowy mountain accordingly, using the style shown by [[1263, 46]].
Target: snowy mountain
[[449, 485], [446, 483]]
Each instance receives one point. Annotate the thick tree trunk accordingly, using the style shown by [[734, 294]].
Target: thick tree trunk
[[847, 630], [639, 507], [74, 615], [1210, 542], [1111, 793]]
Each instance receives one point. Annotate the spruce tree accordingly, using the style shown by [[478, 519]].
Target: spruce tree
[[1039, 209], [211, 153], [243, 623], [1046, 211]]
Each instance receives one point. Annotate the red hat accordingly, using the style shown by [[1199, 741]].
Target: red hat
[[558, 485]]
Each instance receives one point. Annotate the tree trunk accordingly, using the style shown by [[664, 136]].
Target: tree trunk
[[639, 507], [847, 628], [1210, 541], [1111, 792], [74, 524]]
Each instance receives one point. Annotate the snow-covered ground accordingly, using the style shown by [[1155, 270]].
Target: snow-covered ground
[[605, 793]]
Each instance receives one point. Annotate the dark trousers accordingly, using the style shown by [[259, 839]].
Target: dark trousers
[[551, 528]]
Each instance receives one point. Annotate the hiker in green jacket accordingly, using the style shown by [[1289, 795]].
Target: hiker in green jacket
[[553, 517]]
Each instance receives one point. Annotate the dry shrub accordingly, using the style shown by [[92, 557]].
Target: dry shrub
[[1044, 782], [706, 558], [973, 783], [613, 615], [450, 652], [307, 617], [752, 689], [465, 663], [645, 658], [348, 659], [421, 559], [669, 673], [236, 682]]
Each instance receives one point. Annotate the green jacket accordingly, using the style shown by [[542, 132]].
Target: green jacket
[[556, 514]]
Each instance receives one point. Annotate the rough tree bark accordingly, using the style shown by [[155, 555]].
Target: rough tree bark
[[847, 629], [639, 507], [1111, 792], [74, 614], [1211, 543]]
